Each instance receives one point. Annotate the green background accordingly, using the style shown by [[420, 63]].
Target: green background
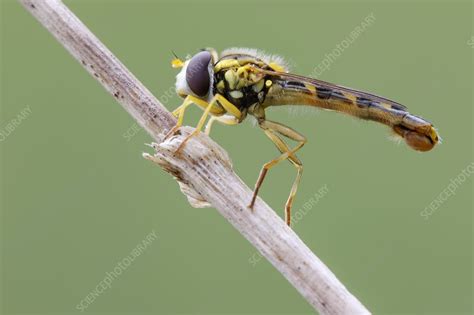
[[76, 195]]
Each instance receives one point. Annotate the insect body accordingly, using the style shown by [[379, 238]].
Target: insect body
[[243, 82]]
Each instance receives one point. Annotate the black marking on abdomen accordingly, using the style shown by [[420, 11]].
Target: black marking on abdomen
[[363, 102], [323, 93], [340, 97], [294, 84], [398, 107], [298, 86]]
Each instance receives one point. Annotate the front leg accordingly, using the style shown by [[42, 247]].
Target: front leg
[[217, 100], [179, 112]]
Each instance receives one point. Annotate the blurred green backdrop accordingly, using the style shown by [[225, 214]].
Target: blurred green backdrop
[[77, 197]]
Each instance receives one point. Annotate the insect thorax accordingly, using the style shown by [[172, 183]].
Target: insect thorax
[[235, 80]]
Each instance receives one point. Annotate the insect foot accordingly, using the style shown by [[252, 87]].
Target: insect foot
[[195, 157], [172, 132]]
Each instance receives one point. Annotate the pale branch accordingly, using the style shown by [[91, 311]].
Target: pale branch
[[203, 170]]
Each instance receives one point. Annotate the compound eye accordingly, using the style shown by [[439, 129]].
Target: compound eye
[[197, 73]]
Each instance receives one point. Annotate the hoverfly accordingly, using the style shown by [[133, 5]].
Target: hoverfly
[[241, 82]]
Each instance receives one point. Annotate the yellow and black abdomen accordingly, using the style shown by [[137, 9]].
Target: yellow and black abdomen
[[290, 89]]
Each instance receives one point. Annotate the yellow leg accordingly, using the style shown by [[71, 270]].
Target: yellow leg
[[224, 120], [228, 106], [271, 128], [179, 113], [180, 110], [198, 128], [217, 100]]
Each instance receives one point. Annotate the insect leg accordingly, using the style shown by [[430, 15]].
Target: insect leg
[[218, 101], [271, 128], [179, 111], [228, 106], [224, 120]]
